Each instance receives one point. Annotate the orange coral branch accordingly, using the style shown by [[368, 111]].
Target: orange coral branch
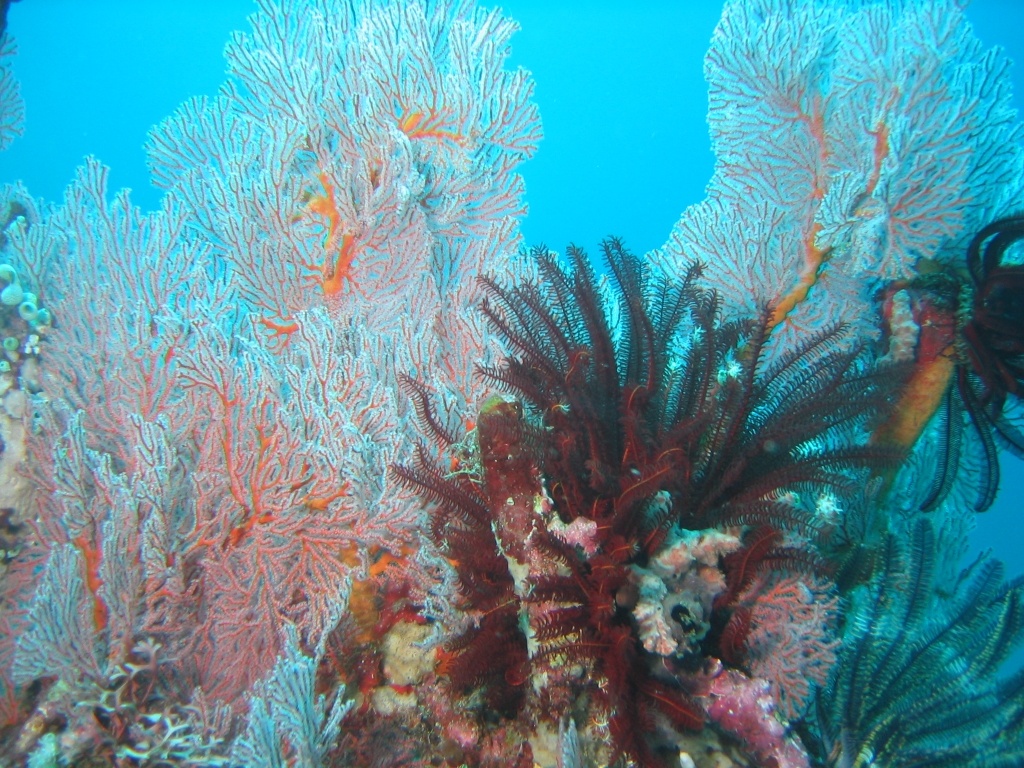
[[283, 329], [814, 259], [334, 273], [240, 531], [93, 582], [881, 134], [319, 504], [417, 124], [341, 271]]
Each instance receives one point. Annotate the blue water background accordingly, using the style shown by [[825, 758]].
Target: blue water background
[[620, 87]]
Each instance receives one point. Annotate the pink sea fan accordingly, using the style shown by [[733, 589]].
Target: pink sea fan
[[852, 141], [791, 642]]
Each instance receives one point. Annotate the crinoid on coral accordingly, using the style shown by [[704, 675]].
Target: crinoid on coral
[[639, 414], [965, 331], [918, 677], [492, 655], [641, 389]]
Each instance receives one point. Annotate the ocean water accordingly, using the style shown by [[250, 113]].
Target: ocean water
[[619, 87]]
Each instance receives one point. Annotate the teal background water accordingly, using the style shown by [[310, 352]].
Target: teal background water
[[620, 87]]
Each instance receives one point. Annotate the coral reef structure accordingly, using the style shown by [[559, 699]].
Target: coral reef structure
[[315, 464]]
